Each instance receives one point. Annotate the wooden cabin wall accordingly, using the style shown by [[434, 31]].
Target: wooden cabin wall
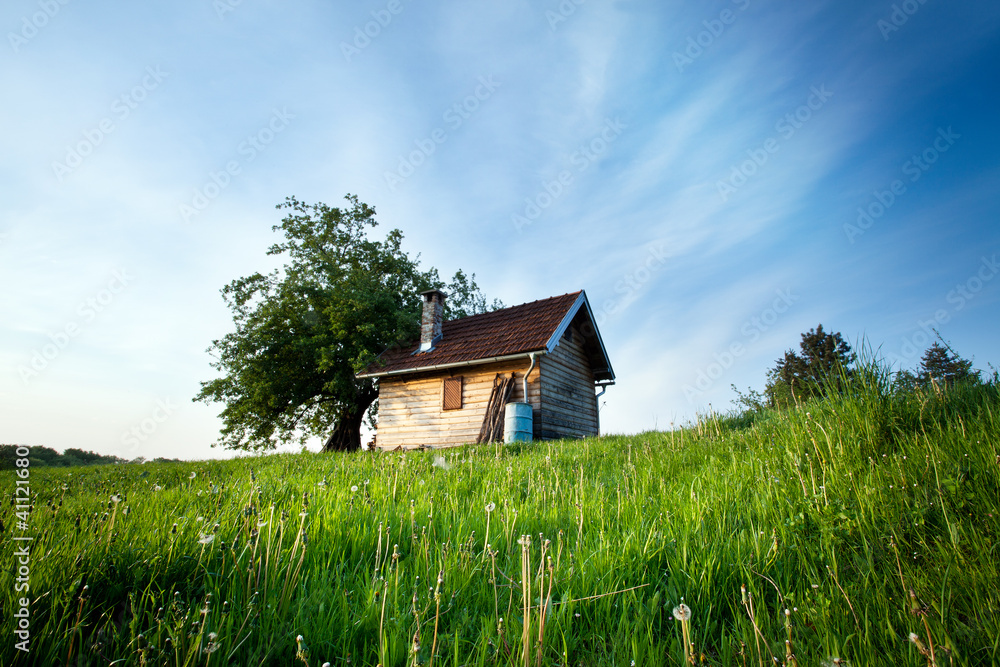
[[568, 402], [411, 413]]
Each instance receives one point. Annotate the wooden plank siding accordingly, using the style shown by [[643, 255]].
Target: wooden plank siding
[[560, 390], [568, 402], [411, 407]]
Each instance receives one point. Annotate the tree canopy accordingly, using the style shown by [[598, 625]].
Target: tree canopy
[[943, 365], [46, 456], [303, 332], [823, 362]]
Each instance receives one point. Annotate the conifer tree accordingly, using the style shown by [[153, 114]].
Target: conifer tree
[[943, 365], [823, 363]]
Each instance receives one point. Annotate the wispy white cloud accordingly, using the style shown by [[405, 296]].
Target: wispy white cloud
[[653, 188]]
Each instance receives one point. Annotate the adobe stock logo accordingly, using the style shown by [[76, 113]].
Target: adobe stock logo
[[633, 281], [38, 20], [751, 331], [121, 108], [587, 154], [249, 149], [566, 9], [898, 17], [455, 116], [914, 168], [697, 44], [363, 36], [786, 127], [145, 429], [88, 310], [959, 297], [223, 7]]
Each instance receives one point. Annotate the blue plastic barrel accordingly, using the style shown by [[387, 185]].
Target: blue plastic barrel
[[517, 422]]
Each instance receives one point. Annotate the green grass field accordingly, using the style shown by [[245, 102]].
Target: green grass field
[[859, 531]]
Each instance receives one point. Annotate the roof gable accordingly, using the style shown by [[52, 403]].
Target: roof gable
[[510, 332]]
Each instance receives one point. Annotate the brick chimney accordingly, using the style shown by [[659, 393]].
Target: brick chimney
[[431, 319]]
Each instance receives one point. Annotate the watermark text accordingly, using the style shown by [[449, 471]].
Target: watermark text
[[786, 127], [248, 149], [913, 169], [22, 550]]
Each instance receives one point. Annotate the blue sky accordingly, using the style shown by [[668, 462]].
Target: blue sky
[[718, 176]]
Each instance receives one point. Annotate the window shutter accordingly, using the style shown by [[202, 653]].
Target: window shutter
[[453, 393]]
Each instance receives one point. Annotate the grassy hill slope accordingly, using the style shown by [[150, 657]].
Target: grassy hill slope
[[862, 530]]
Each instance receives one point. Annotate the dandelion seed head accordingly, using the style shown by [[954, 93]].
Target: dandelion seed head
[[682, 612]]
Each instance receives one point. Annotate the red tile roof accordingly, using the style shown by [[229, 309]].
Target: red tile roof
[[510, 331]]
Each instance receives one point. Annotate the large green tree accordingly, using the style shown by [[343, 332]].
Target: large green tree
[[823, 362], [303, 332]]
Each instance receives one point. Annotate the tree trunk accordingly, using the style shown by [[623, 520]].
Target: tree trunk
[[346, 436]]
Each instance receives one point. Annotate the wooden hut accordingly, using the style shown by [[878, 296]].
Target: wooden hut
[[436, 392]]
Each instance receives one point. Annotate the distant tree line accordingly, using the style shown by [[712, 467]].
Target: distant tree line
[[825, 364], [47, 457]]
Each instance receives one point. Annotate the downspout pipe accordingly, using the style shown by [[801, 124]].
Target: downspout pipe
[[526, 374]]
